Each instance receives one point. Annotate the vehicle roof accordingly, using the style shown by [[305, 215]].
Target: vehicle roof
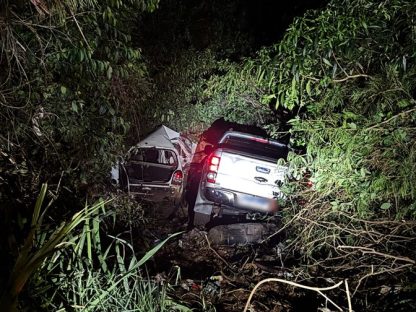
[[162, 137]]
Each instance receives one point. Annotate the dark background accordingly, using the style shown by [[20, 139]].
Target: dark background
[[234, 28]]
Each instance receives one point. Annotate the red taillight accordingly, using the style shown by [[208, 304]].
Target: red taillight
[[177, 177], [213, 163], [211, 177], [215, 160]]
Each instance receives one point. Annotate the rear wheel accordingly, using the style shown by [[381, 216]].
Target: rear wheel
[[201, 219], [203, 214], [240, 233]]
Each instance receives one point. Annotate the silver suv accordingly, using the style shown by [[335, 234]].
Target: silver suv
[[240, 177], [156, 168]]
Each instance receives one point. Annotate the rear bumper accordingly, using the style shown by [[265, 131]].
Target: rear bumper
[[153, 193], [240, 200]]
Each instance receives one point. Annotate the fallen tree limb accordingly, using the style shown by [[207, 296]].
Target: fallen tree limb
[[278, 280], [366, 250]]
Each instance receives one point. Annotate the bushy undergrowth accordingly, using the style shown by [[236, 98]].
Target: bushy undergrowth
[[347, 75], [344, 77], [98, 271], [71, 80], [80, 265]]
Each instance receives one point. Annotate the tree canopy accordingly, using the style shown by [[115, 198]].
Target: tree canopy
[[341, 84], [80, 79]]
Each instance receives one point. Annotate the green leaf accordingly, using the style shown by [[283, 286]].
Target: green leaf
[[385, 206], [74, 106], [326, 61], [63, 90], [267, 98], [308, 88], [81, 55], [109, 72], [352, 126], [155, 249], [403, 103]]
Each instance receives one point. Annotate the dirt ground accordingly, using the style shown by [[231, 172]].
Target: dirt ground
[[208, 277]]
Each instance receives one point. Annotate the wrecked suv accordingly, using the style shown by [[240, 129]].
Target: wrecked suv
[[155, 169], [240, 177]]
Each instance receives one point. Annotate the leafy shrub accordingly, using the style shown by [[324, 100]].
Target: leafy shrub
[[96, 272], [63, 113], [344, 77], [346, 74]]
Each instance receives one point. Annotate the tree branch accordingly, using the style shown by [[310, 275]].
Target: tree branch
[[267, 280], [351, 77], [366, 250], [390, 119]]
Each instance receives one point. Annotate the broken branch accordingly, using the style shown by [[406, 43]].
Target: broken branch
[[278, 280]]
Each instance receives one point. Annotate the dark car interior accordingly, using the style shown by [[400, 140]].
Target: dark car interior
[[151, 165]]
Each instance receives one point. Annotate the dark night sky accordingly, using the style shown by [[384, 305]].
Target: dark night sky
[[242, 26], [268, 19]]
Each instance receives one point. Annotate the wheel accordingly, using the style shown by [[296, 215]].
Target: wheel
[[201, 219], [201, 211], [240, 233]]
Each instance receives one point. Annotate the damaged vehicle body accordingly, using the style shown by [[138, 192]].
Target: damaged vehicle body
[[155, 169], [240, 182]]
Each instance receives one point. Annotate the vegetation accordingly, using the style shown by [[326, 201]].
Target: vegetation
[[71, 81], [344, 77], [30, 258], [77, 86], [74, 270], [99, 272]]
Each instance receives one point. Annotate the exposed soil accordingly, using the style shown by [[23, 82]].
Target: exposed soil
[[220, 278]]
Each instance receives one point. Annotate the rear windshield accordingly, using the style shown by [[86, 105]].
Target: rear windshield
[[151, 165], [256, 148], [155, 156]]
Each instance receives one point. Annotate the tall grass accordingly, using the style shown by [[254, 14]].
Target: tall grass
[[32, 254], [99, 272], [69, 268]]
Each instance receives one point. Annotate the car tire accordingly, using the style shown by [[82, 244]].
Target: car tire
[[240, 233], [201, 219]]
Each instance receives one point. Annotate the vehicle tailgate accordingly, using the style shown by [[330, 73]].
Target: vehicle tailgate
[[250, 175]]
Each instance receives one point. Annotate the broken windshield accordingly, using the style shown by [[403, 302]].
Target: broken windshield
[[155, 156]]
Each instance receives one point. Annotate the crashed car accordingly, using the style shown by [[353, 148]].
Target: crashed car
[[239, 177], [236, 184], [155, 169]]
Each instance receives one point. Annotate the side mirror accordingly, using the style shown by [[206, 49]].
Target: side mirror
[[208, 149]]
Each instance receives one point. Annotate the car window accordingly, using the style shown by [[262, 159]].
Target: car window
[[155, 156], [255, 147], [187, 143]]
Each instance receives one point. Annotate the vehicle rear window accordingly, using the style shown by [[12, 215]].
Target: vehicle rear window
[[256, 148], [155, 156], [151, 165], [137, 173]]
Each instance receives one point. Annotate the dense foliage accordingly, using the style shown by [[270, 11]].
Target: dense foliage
[[340, 83], [342, 80], [71, 81], [66, 91], [347, 74]]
